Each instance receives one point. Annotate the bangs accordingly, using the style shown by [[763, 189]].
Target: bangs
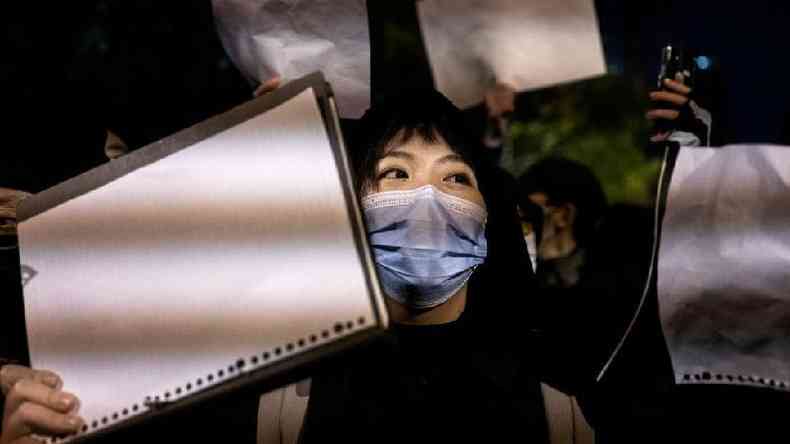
[[388, 129]]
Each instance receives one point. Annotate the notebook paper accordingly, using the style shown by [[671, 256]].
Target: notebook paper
[[221, 258], [723, 266]]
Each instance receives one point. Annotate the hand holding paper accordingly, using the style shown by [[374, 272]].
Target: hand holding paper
[[204, 264], [292, 38], [35, 404], [474, 44]]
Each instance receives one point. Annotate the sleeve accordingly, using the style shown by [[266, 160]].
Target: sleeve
[[695, 125]]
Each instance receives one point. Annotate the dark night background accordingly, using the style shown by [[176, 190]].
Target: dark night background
[[748, 41], [146, 69], [143, 69]]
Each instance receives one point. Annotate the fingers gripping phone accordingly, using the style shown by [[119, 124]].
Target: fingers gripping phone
[[674, 66]]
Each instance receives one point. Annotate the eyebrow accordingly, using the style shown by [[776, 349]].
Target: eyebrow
[[399, 154], [449, 158]]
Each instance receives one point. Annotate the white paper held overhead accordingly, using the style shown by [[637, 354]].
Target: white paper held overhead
[[292, 38], [473, 44]]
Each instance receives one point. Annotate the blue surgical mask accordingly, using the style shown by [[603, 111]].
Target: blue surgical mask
[[426, 243]]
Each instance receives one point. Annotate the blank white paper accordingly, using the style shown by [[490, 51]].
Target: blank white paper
[[724, 266], [474, 44], [292, 38], [225, 250]]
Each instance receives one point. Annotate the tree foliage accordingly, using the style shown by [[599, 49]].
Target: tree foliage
[[598, 122]]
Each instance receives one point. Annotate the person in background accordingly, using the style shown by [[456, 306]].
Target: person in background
[[592, 263], [500, 104], [573, 205]]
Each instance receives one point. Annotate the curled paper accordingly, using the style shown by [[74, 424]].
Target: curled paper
[[723, 266], [292, 38], [473, 44]]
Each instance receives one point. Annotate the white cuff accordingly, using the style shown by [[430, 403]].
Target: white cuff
[[684, 138]]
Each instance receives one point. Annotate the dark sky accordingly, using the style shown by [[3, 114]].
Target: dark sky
[[749, 42], [147, 68], [143, 69], [124, 64]]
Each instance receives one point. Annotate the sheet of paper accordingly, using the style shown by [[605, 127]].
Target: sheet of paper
[[723, 269], [160, 282], [292, 38], [472, 44]]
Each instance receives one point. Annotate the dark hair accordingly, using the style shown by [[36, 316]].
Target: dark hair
[[419, 113], [565, 181], [506, 278]]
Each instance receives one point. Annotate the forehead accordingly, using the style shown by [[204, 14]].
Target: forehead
[[420, 149], [540, 199]]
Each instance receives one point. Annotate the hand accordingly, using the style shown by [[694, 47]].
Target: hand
[[35, 404], [9, 199], [500, 100], [677, 95], [268, 86]]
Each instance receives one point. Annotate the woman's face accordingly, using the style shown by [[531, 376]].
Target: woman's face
[[417, 163], [414, 164]]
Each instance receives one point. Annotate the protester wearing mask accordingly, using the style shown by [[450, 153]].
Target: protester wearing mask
[[573, 205], [449, 254], [592, 266], [459, 363]]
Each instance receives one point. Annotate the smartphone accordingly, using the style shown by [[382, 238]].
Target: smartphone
[[674, 63]]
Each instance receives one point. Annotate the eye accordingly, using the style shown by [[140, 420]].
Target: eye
[[393, 173], [460, 178]]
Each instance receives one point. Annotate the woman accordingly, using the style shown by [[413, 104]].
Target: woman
[[452, 261]]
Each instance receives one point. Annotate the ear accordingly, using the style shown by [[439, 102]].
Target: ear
[[564, 215]]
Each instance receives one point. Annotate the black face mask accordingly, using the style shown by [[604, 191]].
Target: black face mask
[[564, 272]]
